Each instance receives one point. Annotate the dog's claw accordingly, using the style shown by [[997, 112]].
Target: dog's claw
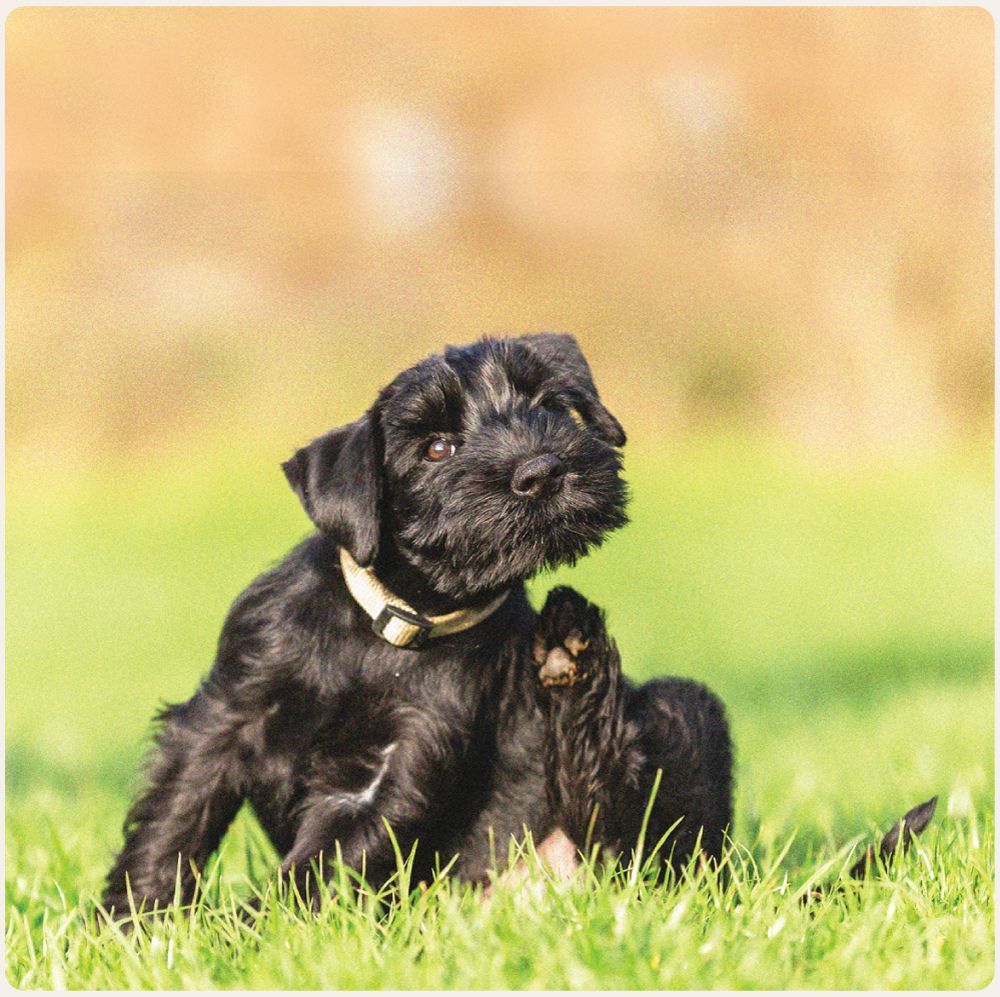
[[568, 627]]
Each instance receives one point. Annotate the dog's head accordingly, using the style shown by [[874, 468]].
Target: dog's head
[[478, 467]]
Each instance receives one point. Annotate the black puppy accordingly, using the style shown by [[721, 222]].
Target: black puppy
[[392, 668]]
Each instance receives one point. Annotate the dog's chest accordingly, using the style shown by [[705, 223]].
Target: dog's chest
[[434, 705]]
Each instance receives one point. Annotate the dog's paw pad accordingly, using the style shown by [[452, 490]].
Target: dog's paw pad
[[570, 638], [560, 668]]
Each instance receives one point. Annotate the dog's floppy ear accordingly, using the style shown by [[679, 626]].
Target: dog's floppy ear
[[565, 359], [338, 479]]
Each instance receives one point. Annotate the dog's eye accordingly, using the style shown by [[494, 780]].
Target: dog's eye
[[439, 450]]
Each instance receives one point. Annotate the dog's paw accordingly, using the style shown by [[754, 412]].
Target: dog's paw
[[570, 641]]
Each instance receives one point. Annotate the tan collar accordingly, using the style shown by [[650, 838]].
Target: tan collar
[[395, 620]]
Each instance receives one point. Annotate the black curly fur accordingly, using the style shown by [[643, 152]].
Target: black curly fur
[[328, 731]]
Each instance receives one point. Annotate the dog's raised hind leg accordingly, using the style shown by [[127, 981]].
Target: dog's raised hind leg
[[592, 764], [615, 750]]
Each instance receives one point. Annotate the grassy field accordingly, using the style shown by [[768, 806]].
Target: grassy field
[[844, 614]]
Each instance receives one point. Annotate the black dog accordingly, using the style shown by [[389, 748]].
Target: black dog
[[390, 669], [470, 472]]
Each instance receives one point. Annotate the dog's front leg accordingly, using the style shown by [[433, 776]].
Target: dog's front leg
[[356, 819], [363, 842], [593, 765], [192, 795]]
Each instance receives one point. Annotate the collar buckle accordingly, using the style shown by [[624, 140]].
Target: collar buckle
[[402, 628]]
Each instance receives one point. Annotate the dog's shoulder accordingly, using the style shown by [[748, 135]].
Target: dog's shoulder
[[281, 614]]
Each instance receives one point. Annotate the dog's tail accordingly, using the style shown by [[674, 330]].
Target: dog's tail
[[896, 841], [911, 823]]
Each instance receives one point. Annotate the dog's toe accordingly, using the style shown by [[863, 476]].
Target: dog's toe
[[564, 610], [566, 615], [575, 642]]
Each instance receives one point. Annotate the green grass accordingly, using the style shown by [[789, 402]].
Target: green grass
[[844, 614]]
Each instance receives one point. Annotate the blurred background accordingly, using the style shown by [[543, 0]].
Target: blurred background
[[256, 217], [770, 229]]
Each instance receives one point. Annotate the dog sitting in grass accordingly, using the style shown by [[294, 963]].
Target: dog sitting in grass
[[391, 673]]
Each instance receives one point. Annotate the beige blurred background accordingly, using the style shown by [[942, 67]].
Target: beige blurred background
[[237, 224]]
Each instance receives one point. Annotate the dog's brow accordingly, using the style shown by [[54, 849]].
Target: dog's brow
[[494, 384], [435, 402], [530, 375]]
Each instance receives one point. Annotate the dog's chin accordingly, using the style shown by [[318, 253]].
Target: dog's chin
[[513, 547]]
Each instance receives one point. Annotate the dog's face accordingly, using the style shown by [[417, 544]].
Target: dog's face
[[478, 467]]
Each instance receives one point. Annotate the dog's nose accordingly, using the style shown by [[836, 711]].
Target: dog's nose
[[538, 477]]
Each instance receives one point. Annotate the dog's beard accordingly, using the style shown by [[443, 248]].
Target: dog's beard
[[468, 533]]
